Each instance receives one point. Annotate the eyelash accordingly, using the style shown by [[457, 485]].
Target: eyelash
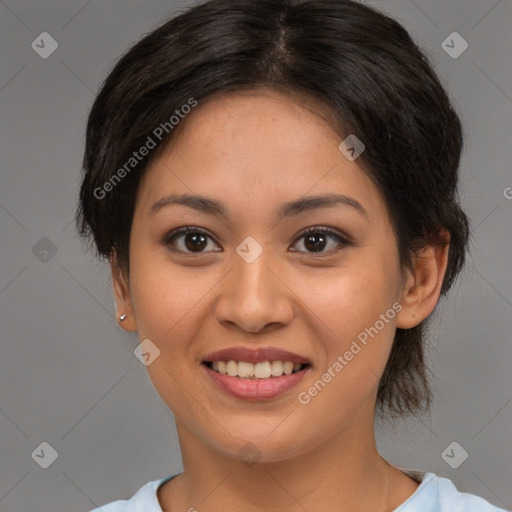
[[173, 235]]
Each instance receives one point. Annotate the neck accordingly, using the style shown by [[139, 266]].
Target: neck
[[344, 473]]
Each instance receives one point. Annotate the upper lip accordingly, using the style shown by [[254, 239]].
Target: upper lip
[[256, 355]]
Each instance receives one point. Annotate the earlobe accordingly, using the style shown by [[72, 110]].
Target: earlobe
[[423, 285], [124, 310]]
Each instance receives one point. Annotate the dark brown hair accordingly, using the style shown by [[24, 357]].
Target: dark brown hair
[[357, 62]]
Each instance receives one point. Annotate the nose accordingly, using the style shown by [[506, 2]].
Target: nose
[[254, 297]]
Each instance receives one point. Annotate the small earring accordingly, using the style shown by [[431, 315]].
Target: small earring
[[122, 317]]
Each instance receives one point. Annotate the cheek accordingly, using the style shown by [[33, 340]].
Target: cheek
[[346, 309], [167, 305], [349, 299], [166, 300]]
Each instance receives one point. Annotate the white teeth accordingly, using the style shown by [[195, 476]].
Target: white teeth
[[263, 370], [232, 368], [276, 368], [245, 369], [288, 368]]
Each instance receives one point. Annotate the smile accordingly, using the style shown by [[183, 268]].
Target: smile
[[255, 381], [261, 370]]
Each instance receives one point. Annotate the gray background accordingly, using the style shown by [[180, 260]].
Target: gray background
[[68, 376]]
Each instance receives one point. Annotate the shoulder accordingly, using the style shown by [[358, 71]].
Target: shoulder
[[455, 501], [144, 500], [439, 494]]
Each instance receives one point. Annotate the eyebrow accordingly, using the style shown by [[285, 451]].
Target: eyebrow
[[216, 208]]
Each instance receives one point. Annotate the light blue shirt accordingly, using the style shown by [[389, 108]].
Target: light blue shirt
[[434, 494]]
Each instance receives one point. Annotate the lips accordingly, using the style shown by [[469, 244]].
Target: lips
[[255, 390], [258, 355]]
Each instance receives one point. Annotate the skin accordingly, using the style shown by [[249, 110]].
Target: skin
[[255, 151]]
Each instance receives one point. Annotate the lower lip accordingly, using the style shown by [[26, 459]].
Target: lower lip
[[255, 389]]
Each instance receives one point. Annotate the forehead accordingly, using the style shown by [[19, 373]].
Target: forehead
[[245, 118], [256, 144]]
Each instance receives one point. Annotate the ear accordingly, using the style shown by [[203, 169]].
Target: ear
[[122, 296], [423, 284]]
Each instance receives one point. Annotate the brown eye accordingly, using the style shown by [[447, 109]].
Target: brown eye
[[190, 239], [316, 240]]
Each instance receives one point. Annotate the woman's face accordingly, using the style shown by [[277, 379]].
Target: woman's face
[[255, 280]]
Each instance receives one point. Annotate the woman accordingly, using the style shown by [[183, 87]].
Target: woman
[[274, 184]]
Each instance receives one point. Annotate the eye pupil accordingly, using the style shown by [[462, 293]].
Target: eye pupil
[[196, 241], [193, 238], [318, 244]]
